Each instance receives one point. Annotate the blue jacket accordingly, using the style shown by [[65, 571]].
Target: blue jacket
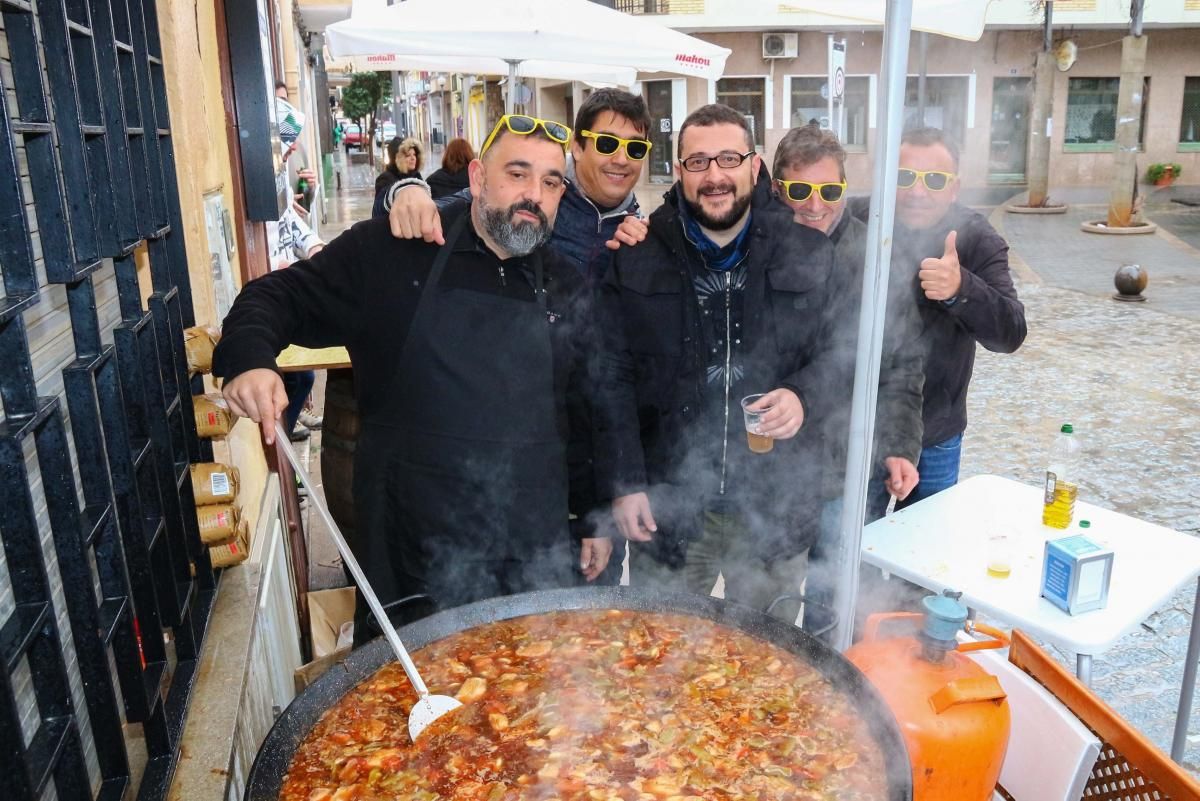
[[580, 229]]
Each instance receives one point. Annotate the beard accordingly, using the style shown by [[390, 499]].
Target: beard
[[515, 238], [721, 222]]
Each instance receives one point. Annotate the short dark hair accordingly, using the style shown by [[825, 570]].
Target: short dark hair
[[458, 155], [928, 137], [281, 84], [624, 104], [807, 145], [715, 114]]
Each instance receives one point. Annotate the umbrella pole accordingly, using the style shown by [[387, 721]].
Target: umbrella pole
[[510, 100], [897, 27]]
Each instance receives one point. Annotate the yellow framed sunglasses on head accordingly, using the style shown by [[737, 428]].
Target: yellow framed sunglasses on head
[[607, 144], [800, 191], [935, 180], [525, 125]]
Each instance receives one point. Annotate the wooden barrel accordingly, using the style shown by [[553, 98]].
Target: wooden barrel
[[339, 438]]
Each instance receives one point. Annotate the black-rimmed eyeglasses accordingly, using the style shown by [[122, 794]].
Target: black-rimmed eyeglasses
[[726, 161]]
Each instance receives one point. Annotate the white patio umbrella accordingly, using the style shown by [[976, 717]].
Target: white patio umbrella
[[593, 74], [514, 31], [957, 19]]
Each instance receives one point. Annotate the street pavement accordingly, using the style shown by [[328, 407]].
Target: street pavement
[[1124, 374]]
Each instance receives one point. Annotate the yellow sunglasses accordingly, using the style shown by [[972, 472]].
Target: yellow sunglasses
[[523, 125], [800, 191], [607, 144], [935, 180]]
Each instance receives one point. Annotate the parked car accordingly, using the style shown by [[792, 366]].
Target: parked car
[[384, 133], [352, 137]]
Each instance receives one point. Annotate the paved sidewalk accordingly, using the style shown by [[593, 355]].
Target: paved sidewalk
[[1051, 249], [1124, 374]]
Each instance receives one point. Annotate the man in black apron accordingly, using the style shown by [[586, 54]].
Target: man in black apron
[[465, 358]]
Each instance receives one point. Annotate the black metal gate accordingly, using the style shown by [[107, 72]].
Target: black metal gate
[[88, 186]]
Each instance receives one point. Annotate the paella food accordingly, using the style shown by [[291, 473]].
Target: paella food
[[596, 705]]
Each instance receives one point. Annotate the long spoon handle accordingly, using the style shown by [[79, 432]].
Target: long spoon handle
[[364, 586]]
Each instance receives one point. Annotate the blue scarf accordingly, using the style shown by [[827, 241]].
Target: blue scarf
[[714, 256]]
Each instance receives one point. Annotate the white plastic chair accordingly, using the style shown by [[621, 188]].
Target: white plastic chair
[[1050, 752]]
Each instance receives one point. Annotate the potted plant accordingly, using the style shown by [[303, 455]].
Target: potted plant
[[1163, 174]]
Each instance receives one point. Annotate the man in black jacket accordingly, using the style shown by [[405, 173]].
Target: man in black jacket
[[465, 356], [725, 298], [810, 177], [965, 295]]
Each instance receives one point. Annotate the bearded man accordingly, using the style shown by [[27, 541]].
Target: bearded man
[[725, 298], [464, 357]]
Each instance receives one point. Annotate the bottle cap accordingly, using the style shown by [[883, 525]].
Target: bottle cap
[[1067, 428], [1085, 523]]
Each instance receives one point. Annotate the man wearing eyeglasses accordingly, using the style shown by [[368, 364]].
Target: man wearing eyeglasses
[[465, 358], [724, 298], [607, 154], [958, 268], [810, 177]]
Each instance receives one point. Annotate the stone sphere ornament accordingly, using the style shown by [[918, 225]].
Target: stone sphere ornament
[[1130, 280]]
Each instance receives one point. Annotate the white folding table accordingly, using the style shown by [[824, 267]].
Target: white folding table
[[942, 543]]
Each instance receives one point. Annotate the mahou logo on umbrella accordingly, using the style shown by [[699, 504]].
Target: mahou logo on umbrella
[[685, 58]]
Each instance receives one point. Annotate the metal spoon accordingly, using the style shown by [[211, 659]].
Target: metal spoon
[[428, 707]]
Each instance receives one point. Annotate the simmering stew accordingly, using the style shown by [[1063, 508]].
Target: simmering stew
[[596, 706]]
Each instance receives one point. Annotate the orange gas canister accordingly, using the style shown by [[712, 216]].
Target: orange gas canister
[[953, 713]]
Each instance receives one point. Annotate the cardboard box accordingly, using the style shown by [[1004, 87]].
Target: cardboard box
[[331, 624]]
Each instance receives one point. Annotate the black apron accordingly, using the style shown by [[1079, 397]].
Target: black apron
[[461, 486]]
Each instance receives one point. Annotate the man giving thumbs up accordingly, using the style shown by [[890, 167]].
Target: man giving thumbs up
[[966, 295]]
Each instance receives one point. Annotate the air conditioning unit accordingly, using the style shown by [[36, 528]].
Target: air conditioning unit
[[780, 45]]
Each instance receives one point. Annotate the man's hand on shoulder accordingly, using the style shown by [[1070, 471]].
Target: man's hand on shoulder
[[414, 215], [941, 278], [633, 229], [259, 395]]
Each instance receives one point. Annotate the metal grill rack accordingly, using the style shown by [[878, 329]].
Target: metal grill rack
[[91, 137]]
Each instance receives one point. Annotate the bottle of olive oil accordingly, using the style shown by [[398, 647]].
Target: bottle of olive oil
[[1059, 502]]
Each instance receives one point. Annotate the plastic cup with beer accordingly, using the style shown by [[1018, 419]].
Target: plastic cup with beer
[[758, 443]]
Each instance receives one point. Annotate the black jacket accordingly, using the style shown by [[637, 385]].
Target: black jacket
[[656, 428], [898, 425], [444, 183], [361, 291], [986, 311]]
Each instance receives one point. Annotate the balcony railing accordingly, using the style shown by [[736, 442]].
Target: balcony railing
[[661, 6]]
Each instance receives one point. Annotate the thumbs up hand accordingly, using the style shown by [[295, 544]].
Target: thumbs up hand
[[941, 278]]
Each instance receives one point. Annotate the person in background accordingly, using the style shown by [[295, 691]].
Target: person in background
[[405, 158], [957, 268], [465, 355], [725, 298], [293, 238], [810, 178], [452, 177]]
